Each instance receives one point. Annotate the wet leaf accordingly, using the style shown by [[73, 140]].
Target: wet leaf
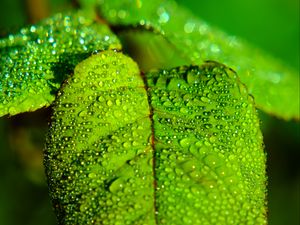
[[178, 146], [35, 61], [271, 82]]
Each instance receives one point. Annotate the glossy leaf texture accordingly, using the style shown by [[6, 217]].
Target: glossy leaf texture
[[271, 82], [35, 61], [178, 146]]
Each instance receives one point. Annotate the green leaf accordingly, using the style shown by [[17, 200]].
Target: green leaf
[[35, 61], [272, 83], [179, 146]]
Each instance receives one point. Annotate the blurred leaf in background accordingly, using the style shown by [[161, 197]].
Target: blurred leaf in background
[[272, 25], [23, 190], [7, 9]]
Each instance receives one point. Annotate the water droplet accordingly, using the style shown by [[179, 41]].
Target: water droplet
[[92, 175], [184, 110], [101, 99], [83, 113], [109, 103], [212, 160], [205, 99], [163, 15], [186, 142], [116, 185], [189, 27]]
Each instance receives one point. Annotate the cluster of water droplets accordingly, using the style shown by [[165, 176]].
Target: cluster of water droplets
[[209, 162], [99, 154], [34, 61]]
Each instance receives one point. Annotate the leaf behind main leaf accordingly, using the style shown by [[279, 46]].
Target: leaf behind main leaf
[[35, 61], [272, 83], [181, 147]]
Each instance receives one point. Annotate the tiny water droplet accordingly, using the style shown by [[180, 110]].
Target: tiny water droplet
[[116, 185], [186, 142]]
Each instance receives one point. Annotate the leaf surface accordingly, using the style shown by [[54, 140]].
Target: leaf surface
[[271, 82], [35, 61], [179, 146]]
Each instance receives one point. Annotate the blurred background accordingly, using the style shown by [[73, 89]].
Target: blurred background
[[272, 25]]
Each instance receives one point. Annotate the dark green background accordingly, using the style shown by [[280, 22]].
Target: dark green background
[[272, 25]]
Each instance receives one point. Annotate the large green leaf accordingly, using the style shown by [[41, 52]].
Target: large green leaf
[[179, 146], [35, 61], [272, 83]]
